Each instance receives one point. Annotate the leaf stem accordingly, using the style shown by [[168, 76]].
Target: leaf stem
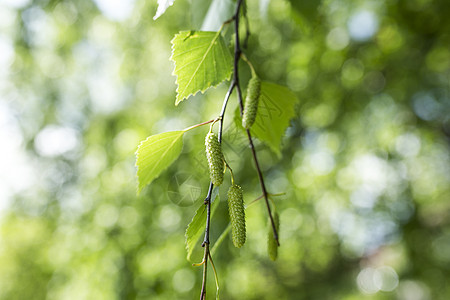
[[231, 172], [226, 23], [244, 58], [216, 277], [197, 125]]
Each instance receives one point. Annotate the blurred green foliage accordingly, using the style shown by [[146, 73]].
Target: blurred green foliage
[[365, 164]]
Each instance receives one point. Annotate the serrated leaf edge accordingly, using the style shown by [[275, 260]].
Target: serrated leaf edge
[[139, 187], [177, 101]]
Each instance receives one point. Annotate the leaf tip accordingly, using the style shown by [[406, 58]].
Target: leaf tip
[[179, 99]]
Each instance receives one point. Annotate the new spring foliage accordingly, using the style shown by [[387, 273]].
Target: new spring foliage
[[215, 158], [251, 102], [237, 215]]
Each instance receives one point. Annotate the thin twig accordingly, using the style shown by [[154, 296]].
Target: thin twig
[[233, 85], [206, 240], [263, 187], [224, 107], [207, 201], [237, 55]]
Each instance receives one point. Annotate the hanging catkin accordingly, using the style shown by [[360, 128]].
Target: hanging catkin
[[251, 102], [237, 215]]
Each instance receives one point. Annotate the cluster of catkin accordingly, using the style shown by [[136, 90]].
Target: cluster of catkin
[[216, 163]]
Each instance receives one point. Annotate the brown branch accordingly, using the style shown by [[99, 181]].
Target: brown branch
[[208, 199], [233, 85], [263, 187], [237, 56]]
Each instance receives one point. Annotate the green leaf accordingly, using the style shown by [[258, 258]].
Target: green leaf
[[275, 109], [155, 154], [202, 60], [196, 227]]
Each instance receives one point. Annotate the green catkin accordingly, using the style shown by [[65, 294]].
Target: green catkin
[[272, 246], [237, 215], [251, 102], [215, 158]]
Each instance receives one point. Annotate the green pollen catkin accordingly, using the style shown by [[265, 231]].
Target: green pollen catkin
[[272, 246], [237, 215], [215, 158], [251, 102]]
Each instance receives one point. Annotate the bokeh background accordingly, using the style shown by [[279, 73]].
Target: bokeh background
[[365, 164]]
